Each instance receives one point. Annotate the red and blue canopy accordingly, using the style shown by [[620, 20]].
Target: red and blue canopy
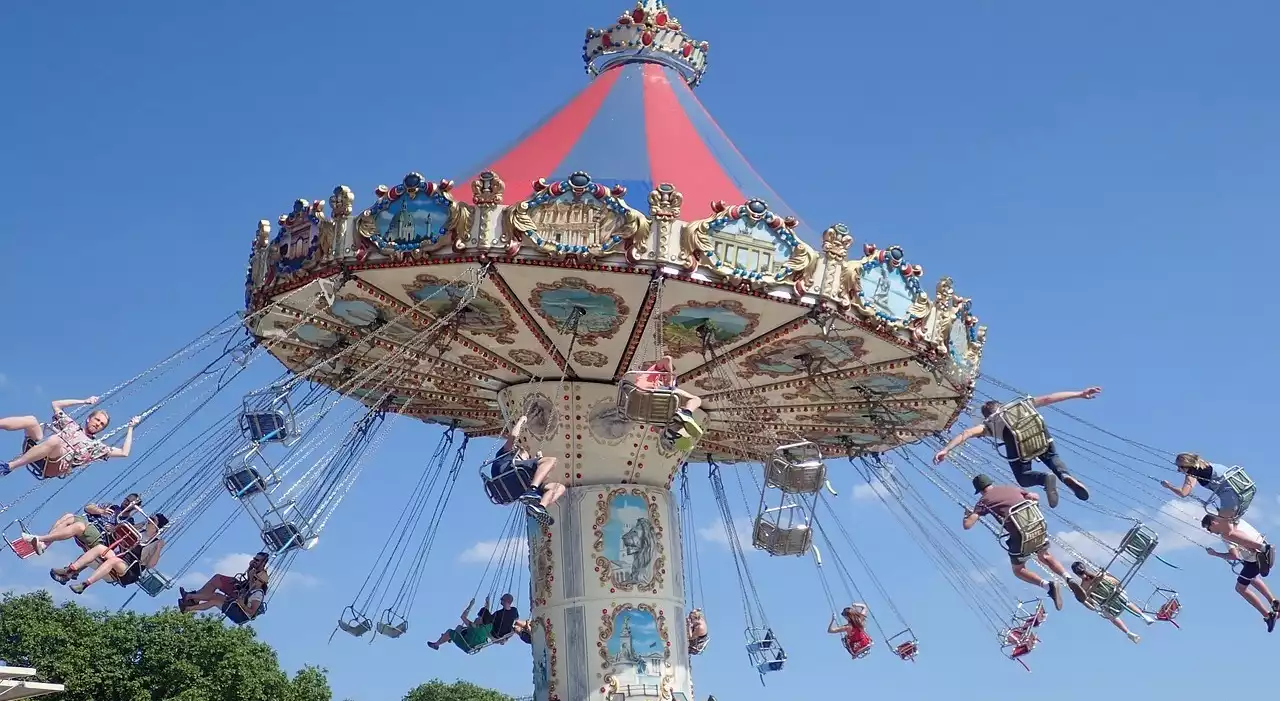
[[636, 125]]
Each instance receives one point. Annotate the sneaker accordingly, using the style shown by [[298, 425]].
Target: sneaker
[[1270, 620], [433, 645], [539, 512], [1051, 491], [1135, 638], [671, 434], [78, 587], [1055, 593], [62, 575], [36, 545], [690, 426], [533, 496], [4, 469], [1077, 487], [1275, 605]]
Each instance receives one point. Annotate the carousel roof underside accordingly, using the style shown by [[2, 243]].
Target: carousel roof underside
[[890, 366]]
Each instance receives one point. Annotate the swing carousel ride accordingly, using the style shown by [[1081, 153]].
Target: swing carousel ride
[[624, 229]]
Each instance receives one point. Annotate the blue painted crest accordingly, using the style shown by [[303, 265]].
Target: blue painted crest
[[601, 206], [886, 287], [752, 242], [297, 238], [316, 335], [409, 215]]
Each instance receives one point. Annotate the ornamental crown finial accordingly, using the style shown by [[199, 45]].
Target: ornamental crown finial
[[646, 34]]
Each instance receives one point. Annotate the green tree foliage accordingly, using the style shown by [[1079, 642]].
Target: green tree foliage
[[167, 656], [436, 690]]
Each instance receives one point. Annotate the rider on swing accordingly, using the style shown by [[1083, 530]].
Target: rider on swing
[[72, 446], [854, 629], [468, 636], [993, 425], [1088, 580], [98, 521], [541, 494], [1251, 574], [1199, 471], [998, 500], [124, 567], [699, 636], [222, 589], [683, 429]]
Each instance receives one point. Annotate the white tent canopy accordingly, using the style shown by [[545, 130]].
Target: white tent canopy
[[13, 687]]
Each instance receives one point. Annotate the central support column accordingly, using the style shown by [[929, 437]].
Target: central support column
[[607, 584]]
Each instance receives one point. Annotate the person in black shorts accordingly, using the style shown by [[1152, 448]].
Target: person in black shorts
[[1251, 572], [513, 468], [993, 426]]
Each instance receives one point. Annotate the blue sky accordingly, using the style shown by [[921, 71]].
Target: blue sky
[[1100, 179]]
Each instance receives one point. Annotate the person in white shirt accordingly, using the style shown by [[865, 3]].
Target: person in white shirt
[[1250, 574]]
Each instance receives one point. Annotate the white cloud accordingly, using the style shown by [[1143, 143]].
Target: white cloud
[[482, 552], [871, 491], [986, 575], [714, 533]]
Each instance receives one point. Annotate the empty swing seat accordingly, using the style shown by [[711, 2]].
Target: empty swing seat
[[354, 623], [268, 417], [1169, 606], [781, 541], [153, 583], [641, 402], [392, 625], [1030, 435], [245, 482], [796, 469], [1139, 543], [283, 537], [765, 652], [905, 645]]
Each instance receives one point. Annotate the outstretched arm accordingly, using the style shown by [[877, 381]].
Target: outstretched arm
[[61, 404], [95, 510], [517, 429], [1046, 400], [967, 434], [123, 450], [1230, 555], [1185, 490], [835, 628], [971, 519]]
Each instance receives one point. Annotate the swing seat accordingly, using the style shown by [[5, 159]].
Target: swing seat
[[268, 417], [697, 645], [126, 536], [1030, 435], [245, 482], [153, 583], [640, 402], [283, 538], [1169, 607], [504, 488], [765, 652], [1239, 482], [22, 548], [237, 615], [353, 623], [859, 649], [1026, 521], [905, 645], [1105, 597], [392, 625], [1139, 543], [781, 541], [796, 469]]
